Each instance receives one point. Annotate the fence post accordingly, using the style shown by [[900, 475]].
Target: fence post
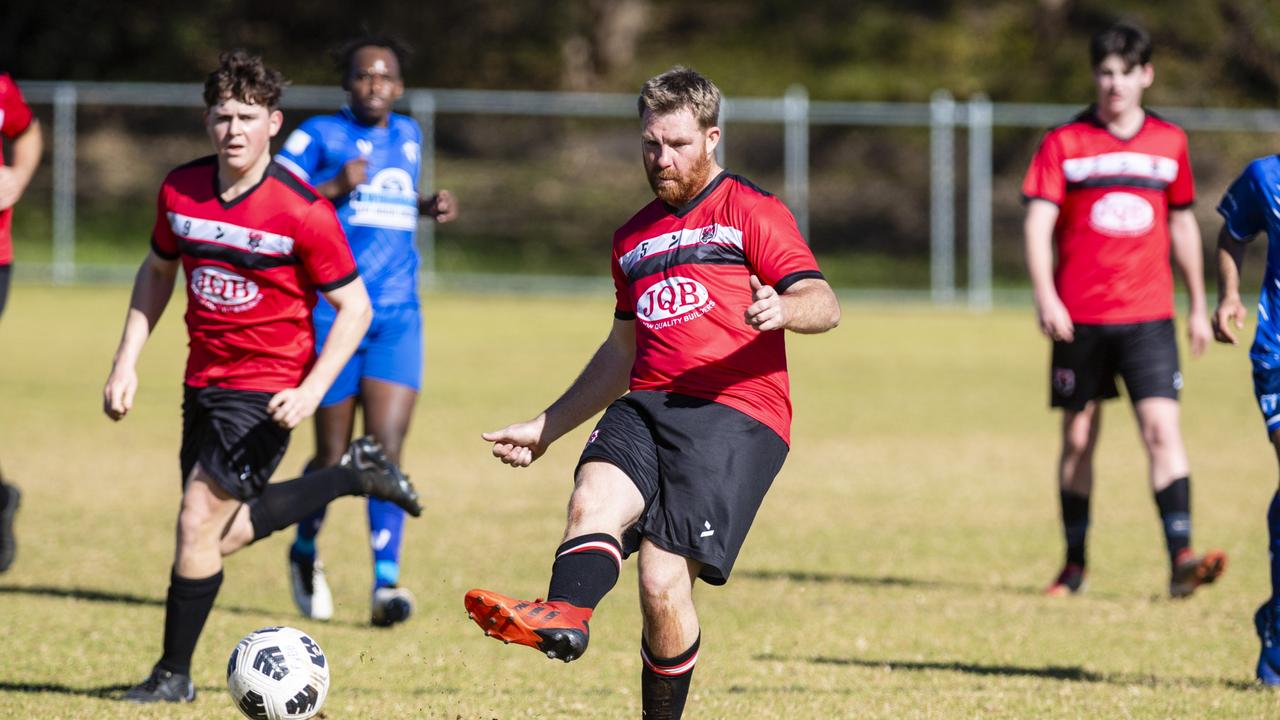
[[64, 183], [980, 118], [942, 201], [797, 155], [423, 106]]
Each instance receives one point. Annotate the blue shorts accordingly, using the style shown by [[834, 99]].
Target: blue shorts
[[1266, 388], [391, 351]]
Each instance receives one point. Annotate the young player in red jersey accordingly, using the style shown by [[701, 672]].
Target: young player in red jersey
[[255, 244], [1113, 189], [22, 130], [707, 276]]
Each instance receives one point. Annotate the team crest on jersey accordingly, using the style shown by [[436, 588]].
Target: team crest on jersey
[[672, 301], [412, 151], [708, 234], [1122, 214], [1064, 381], [255, 240], [222, 290], [365, 147]]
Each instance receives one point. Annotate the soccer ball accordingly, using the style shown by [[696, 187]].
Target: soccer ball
[[278, 673]]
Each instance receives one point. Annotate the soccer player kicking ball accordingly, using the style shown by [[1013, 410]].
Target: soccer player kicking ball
[[1250, 206], [1113, 189], [707, 277], [256, 244], [366, 159]]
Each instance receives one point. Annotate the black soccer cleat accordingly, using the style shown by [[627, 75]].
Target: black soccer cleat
[[379, 477], [162, 686], [391, 605], [8, 543]]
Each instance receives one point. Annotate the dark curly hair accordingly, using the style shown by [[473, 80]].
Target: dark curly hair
[[343, 55], [244, 77]]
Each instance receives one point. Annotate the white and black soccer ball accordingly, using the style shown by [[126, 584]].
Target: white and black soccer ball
[[278, 673]]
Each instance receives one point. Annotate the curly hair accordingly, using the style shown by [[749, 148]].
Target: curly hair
[[244, 77], [343, 55]]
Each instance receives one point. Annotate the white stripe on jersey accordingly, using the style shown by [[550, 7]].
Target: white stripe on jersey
[[659, 244], [1127, 164], [293, 167], [221, 233]]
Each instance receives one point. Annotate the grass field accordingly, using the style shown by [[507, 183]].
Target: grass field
[[893, 571]]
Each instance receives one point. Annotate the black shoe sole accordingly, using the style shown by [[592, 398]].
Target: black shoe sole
[[562, 643], [8, 542]]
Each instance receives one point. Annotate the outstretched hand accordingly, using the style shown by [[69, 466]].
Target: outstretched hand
[[520, 444], [441, 207], [767, 310]]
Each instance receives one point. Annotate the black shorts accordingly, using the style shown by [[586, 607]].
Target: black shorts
[[702, 467], [1144, 354], [231, 435], [6, 273]]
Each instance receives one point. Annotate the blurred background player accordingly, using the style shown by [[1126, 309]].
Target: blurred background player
[[366, 159], [1250, 206], [1113, 189], [707, 277], [22, 130], [256, 244]]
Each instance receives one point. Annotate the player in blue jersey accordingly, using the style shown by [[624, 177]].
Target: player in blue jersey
[[1251, 206], [366, 158]]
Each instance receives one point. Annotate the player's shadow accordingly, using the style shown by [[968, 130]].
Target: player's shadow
[[103, 692], [822, 578], [108, 596], [1072, 673]]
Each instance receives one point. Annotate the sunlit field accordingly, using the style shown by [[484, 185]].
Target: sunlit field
[[894, 570]]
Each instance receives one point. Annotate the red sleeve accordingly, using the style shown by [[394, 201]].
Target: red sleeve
[[623, 307], [322, 247], [1044, 178], [16, 114], [1181, 193], [163, 242], [775, 250]]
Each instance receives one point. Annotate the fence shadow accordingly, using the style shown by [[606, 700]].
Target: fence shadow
[[1064, 673]]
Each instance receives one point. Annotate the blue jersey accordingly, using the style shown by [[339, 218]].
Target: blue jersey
[[1251, 205], [380, 216]]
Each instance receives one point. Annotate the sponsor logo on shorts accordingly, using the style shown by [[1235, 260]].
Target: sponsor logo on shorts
[[673, 301], [708, 532], [1064, 381], [222, 290], [1177, 381], [1268, 403], [592, 437], [1122, 214]]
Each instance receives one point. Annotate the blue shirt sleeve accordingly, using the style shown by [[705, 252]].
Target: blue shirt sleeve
[[1243, 206], [303, 152]]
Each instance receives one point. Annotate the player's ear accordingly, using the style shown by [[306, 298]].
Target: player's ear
[[713, 139], [275, 121]]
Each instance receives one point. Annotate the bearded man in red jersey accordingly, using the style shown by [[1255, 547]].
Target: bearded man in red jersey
[[707, 276]]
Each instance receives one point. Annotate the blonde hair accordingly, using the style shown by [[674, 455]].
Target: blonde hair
[[679, 88]]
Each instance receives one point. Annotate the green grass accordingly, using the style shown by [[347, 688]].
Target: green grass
[[893, 571]]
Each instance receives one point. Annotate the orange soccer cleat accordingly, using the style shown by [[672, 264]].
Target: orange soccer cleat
[[1069, 582], [1190, 571], [555, 628]]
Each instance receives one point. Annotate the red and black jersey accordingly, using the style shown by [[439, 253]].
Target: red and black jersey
[[253, 266], [15, 118], [684, 277], [1112, 233]]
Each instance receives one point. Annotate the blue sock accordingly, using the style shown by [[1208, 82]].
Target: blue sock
[[304, 544], [1273, 535], [386, 530]]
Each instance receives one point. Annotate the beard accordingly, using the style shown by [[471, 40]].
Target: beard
[[685, 187]]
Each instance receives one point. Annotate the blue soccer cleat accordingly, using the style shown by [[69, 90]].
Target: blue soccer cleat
[[1269, 659]]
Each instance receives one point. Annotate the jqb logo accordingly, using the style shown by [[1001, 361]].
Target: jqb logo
[[671, 297], [222, 287]]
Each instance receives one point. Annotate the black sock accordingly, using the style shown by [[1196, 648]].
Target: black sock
[[1075, 524], [664, 682], [585, 570], [1175, 510], [282, 505], [186, 609]]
